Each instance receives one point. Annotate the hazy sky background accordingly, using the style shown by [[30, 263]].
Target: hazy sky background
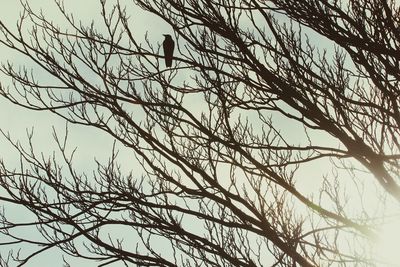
[[90, 142]]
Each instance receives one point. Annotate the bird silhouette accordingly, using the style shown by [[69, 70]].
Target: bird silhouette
[[168, 46]]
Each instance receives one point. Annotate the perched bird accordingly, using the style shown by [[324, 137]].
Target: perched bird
[[168, 46]]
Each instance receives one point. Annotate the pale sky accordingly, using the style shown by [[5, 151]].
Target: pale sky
[[92, 143]]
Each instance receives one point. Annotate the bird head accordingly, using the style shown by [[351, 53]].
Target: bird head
[[167, 36]]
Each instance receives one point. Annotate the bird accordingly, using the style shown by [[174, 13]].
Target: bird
[[168, 46]]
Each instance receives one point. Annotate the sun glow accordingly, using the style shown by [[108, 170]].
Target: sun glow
[[387, 247]]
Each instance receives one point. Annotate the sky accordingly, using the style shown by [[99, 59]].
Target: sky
[[92, 143]]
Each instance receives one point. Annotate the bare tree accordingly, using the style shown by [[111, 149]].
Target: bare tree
[[220, 183]]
